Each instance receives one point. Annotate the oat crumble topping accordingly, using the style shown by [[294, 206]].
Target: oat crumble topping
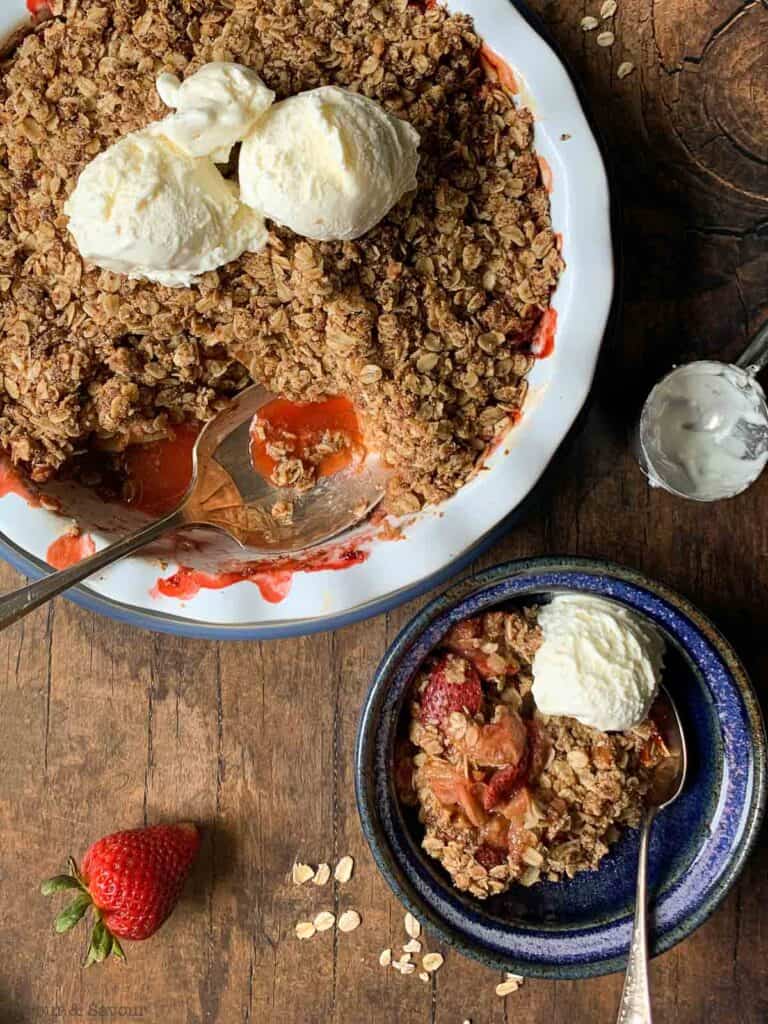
[[425, 323]]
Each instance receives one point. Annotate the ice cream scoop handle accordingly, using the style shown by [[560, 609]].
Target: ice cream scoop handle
[[19, 603], [755, 355], [635, 1007]]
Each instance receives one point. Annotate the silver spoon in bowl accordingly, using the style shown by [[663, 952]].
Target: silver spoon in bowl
[[227, 494], [666, 786]]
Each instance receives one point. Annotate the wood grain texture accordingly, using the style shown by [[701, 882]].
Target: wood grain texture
[[108, 727]]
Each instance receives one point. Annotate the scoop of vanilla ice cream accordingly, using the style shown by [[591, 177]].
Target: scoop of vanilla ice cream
[[598, 663], [147, 209], [328, 163], [215, 107]]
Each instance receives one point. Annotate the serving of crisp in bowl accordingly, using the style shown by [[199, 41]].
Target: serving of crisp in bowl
[[512, 833], [464, 327]]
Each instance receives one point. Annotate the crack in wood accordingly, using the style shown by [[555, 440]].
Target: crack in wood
[[150, 716], [48, 683], [726, 231], [335, 810]]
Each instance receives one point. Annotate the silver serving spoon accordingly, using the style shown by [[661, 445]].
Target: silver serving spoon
[[228, 494], [666, 786]]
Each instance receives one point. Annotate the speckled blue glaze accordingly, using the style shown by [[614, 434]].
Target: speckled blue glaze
[[582, 927]]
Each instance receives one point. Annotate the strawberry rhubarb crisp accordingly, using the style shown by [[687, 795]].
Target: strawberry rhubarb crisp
[[505, 793], [426, 322]]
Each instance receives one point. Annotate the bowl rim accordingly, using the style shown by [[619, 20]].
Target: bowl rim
[[168, 621], [366, 745]]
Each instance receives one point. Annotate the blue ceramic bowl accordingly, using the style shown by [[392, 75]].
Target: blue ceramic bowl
[[580, 928]]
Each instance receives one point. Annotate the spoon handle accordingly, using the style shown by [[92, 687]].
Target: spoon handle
[[18, 603], [635, 1007], [755, 355]]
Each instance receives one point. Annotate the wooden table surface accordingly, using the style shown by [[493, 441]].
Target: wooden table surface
[[107, 727]]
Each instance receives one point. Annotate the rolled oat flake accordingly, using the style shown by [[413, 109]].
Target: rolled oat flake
[[349, 920], [344, 868], [432, 962], [301, 873], [412, 926], [322, 874]]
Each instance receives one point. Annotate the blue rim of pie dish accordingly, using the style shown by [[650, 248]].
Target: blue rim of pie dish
[[166, 622], [687, 897]]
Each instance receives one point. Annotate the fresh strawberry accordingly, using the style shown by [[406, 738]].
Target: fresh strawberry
[[131, 880], [453, 686]]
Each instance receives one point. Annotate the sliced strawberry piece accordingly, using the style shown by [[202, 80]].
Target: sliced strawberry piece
[[453, 686], [496, 832], [452, 789], [538, 748], [498, 745], [490, 856], [654, 749], [516, 811], [503, 783], [466, 638], [470, 638]]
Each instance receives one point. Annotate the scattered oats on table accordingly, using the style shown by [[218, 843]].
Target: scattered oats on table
[[322, 875], [348, 921], [301, 873], [344, 869], [393, 319], [510, 985], [432, 962]]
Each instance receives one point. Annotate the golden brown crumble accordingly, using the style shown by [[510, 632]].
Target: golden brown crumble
[[425, 322]]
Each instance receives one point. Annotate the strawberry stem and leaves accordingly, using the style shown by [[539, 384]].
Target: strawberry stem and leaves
[[58, 884], [72, 913], [102, 943]]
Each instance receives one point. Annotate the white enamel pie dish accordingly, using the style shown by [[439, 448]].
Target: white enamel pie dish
[[436, 544]]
